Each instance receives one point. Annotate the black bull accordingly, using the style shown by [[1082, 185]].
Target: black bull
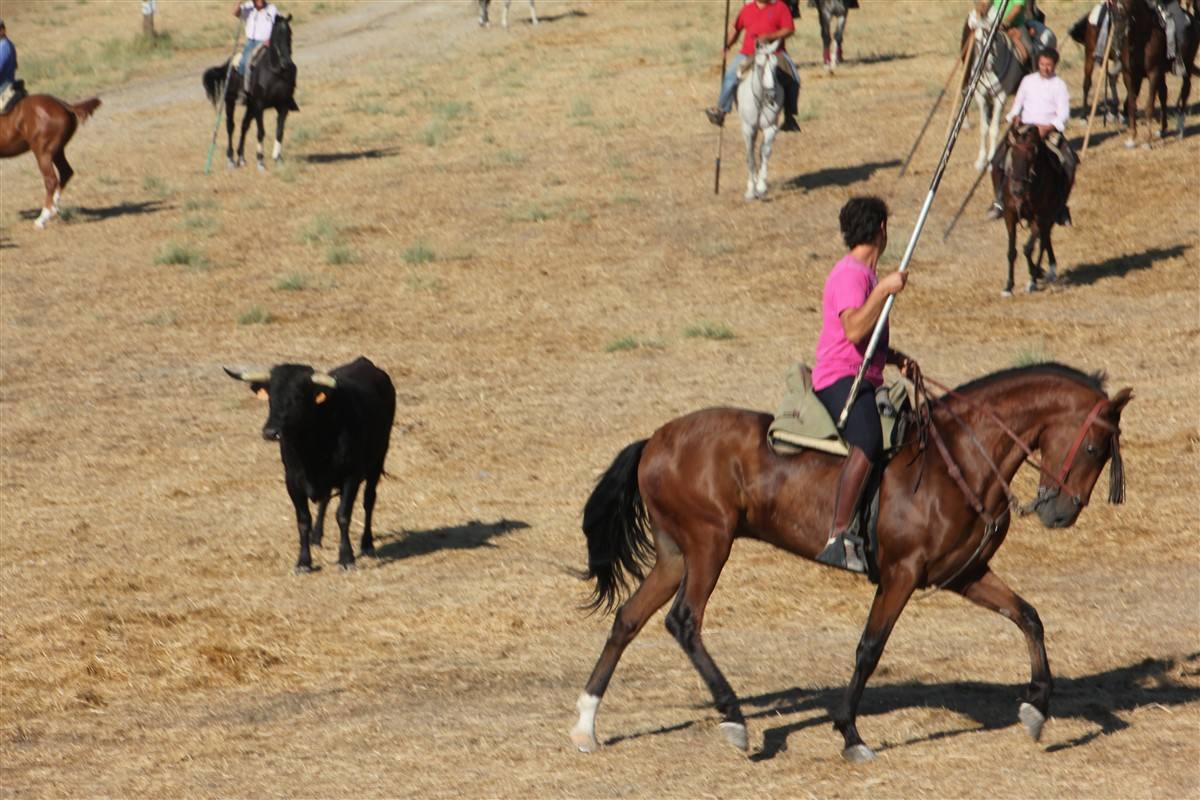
[[333, 431]]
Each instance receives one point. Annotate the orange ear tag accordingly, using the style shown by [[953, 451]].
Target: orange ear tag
[[261, 394], [320, 398]]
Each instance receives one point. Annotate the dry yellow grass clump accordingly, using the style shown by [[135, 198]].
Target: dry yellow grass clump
[[519, 226]]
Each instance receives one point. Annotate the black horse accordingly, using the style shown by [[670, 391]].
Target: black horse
[[272, 84]]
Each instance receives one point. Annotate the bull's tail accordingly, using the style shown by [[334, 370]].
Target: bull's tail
[[617, 531], [214, 82], [84, 109]]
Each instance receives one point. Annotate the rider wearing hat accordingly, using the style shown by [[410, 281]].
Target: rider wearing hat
[[766, 21]]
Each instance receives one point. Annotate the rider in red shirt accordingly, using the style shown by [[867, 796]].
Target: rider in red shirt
[[767, 20]]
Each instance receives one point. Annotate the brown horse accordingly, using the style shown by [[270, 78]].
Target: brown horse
[[1143, 48], [707, 478], [1033, 191], [1088, 35], [45, 124]]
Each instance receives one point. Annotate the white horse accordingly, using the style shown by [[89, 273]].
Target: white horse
[[832, 16], [760, 99], [483, 13]]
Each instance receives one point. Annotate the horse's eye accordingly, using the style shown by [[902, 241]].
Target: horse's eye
[[1091, 450]]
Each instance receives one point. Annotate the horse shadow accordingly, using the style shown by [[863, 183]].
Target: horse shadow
[[99, 214], [1096, 698], [574, 12], [837, 176], [333, 158], [874, 58], [399, 545], [1120, 266], [1097, 138]]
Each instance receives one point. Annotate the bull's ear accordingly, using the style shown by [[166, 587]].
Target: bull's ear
[[1120, 399]]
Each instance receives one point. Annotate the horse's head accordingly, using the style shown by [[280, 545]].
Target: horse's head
[[765, 61], [1075, 445], [1023, 143], [281, 40]]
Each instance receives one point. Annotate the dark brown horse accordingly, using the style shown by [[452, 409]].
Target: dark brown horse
[[1143, 48], [1088, 35], [1033, 191], [705, 479], [45, 124]]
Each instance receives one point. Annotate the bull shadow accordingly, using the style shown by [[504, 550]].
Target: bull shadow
[[72, 214], [352, 155], [1096, 699], [1120, 266], [837, 176], [402, 544]]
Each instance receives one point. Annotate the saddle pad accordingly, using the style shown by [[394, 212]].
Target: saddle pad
[[803, 423]]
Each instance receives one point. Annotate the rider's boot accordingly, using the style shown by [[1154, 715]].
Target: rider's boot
[[789, 124], [716, 116], [996, 209], [844, 549]]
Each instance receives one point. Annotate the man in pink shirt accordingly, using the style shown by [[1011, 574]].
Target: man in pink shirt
[[762, 20], [1044, 101], [851, 303]]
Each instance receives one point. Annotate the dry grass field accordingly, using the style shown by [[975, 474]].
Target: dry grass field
[[520, 227]]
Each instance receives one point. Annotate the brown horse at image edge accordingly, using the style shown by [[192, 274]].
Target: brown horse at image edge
[[681, 498]]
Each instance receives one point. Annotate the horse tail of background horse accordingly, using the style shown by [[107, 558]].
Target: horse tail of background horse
[[214, 82], [84, 109], [617, 530]]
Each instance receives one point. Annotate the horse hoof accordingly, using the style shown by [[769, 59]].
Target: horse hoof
[[1147, 146], [1007, 293], [735, 734], [302, 569], [1052, 275], [346, 566], [230, 165], [262, 167], [1033, 720], [584, 741], [1130, 144], [1032, 287], [858, 754]]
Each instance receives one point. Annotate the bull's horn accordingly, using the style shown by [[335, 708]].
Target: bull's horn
[[248, 377], [322, 379]]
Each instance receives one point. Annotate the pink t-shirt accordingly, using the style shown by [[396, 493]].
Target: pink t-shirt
[[848, 285]]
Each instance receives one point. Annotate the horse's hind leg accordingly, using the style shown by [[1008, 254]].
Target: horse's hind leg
[[280, 121], [45, 163], [751, 168], [764, 156], [483, 13], [656, 589], [247, 118], [992, 593], [1047, 248], [258, 144], [890, 599], [686, 618], [64, 175], [230, 105], [1011, 223], [1035, 271], [532, 13]]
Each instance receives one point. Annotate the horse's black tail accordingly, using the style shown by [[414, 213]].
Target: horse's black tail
[[615, 523], [214, 82], [1078, 31]]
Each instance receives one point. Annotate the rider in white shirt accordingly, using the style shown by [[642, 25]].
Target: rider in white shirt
[[1043, 101], [260, 18]]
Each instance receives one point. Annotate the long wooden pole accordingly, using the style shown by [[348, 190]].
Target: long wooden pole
[[237, 35], [877, 334], [1104, 82], [937, 102], [721, 130]]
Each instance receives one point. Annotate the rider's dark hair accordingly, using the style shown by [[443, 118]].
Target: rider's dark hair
[[1050, 53], [861, 218]]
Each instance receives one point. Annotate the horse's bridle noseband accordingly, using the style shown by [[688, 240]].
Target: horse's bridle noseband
[[1046, 493]]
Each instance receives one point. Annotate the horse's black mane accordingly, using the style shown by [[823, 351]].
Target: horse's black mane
[[1094, 380]]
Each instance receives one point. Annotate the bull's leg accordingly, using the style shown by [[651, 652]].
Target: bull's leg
[[280, 121], [318, 531], [890, 599], [303, 524], [367, 546], [345, 507], [656, 589], [686, 618], [992, 593]]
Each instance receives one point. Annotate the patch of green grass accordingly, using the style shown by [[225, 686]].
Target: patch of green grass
[[319, 229], [709, 330], [624, 199], [175, 254], [303, 134], [581, 108], [293, 282], [529, 213], [451, 110], [340, 254], [199, 223], [1029, 355], [419, 254], [254, 316], [511, 158], [155, 184], [425, 283], [619, 345], [434, 133], [200, 204]]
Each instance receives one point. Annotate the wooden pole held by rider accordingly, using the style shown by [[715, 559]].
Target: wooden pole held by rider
[[721, 131], [1104, 83], [237, 35], [924, 214]]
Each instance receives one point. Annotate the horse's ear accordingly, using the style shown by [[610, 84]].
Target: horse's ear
[[1120, 399], [288, 19]]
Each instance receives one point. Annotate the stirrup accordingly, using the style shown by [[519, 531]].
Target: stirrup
[[844, 551]]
